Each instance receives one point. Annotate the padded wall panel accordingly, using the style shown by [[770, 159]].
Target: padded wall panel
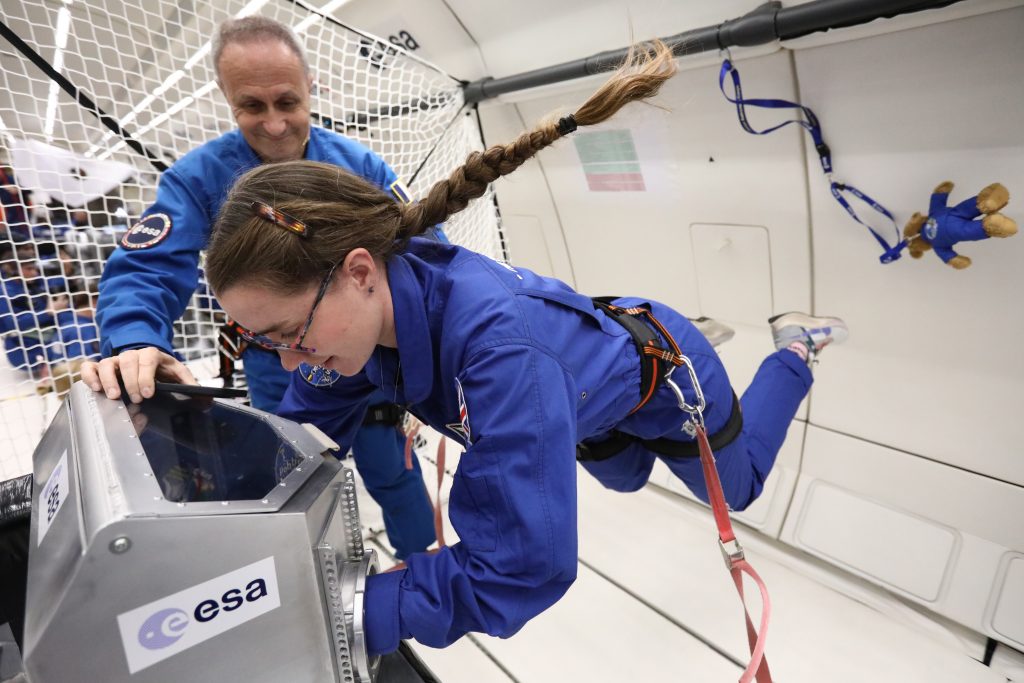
[[889, 545], [1007, 616], [898, 514], [933, 364], [698, 166]]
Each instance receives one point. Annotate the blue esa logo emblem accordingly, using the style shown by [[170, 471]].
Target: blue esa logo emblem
[[150, 231], [166, 627], [163, 629], [930, 229], [318, 375]]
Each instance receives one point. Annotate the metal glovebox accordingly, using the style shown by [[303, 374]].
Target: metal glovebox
[[195, 539]]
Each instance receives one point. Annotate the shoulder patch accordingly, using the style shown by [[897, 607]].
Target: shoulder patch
[[462, 426], [400, 191], [149, 231], [318, 375]]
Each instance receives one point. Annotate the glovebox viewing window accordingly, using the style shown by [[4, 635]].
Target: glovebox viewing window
[[206, 450]]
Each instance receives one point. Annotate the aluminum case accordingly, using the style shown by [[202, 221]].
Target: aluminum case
[[107, 545]]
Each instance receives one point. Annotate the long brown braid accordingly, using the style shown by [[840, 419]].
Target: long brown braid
[[344, 212], [641, 76]]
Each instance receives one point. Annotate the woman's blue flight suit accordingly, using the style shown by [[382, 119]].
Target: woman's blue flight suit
[[520, 369]]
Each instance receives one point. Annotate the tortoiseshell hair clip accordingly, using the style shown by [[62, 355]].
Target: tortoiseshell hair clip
[[280, 219]]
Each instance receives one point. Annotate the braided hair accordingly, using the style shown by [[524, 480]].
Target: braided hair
[[342, 211]]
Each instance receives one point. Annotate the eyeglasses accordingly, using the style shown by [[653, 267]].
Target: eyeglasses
[[269, 344]]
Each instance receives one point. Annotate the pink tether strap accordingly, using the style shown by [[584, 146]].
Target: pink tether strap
[[733, 553]]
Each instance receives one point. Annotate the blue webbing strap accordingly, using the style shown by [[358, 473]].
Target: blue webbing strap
[[811, 125]]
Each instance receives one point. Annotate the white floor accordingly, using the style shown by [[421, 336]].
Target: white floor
[[654, 602]]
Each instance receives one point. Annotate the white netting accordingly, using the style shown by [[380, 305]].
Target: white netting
[[146, 65]]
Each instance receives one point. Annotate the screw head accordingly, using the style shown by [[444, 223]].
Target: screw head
[[120, 545]]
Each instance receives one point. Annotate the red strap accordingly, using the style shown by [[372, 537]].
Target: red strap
[[438, 521], [758, 666], [410, 437]]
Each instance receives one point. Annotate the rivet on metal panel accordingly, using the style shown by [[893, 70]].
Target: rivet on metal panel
[[119, 545]]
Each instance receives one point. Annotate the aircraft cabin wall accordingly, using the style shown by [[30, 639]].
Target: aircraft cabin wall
[[904, 465]]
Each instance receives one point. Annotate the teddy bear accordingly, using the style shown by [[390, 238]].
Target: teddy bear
[[944, 226]]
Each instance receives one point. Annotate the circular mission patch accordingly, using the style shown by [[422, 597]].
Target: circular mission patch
[[149, 231], [318, 375]]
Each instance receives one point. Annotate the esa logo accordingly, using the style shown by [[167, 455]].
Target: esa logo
[[163, 629], [167, 626], [174, 623]]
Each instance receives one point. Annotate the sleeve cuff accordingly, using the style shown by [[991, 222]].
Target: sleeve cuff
[[381, 616]]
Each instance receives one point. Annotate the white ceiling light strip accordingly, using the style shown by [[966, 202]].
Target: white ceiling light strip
[[61, 40]]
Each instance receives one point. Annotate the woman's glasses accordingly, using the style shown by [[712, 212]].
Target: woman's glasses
[[269, 344]]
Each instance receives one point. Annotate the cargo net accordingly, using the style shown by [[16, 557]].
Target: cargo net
[[71, 186]]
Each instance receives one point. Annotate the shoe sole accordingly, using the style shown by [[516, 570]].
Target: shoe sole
[[794, 319]]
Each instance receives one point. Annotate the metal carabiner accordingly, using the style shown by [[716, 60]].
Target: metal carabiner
[[696, 410]]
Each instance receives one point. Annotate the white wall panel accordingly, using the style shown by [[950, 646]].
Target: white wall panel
[[911, 525], [698, 167], [932, 365], [1006, 616]]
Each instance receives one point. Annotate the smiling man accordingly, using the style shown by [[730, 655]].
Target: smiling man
[[146, 285]]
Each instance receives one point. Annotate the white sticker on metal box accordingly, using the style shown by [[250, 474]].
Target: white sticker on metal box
[[51, 500], [165, 627]]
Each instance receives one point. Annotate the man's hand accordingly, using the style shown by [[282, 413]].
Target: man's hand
[[139, 369]]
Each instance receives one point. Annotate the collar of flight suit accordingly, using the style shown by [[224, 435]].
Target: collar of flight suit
[[415, 348]]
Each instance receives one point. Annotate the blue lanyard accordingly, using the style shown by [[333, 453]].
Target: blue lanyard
[[810, 124]]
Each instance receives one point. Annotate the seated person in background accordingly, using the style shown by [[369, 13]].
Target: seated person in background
[[14, 206], [43, 336]]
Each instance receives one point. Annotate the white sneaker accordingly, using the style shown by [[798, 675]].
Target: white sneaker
[[717, 333], [814, 332]]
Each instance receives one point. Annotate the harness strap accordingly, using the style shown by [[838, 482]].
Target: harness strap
[[654, 358], [617, 442]]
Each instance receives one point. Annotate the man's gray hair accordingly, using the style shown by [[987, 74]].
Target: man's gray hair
[[255, 29]]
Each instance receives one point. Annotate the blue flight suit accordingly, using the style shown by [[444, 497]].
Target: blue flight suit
[[148, 281], [948, 225], [521, 368]]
